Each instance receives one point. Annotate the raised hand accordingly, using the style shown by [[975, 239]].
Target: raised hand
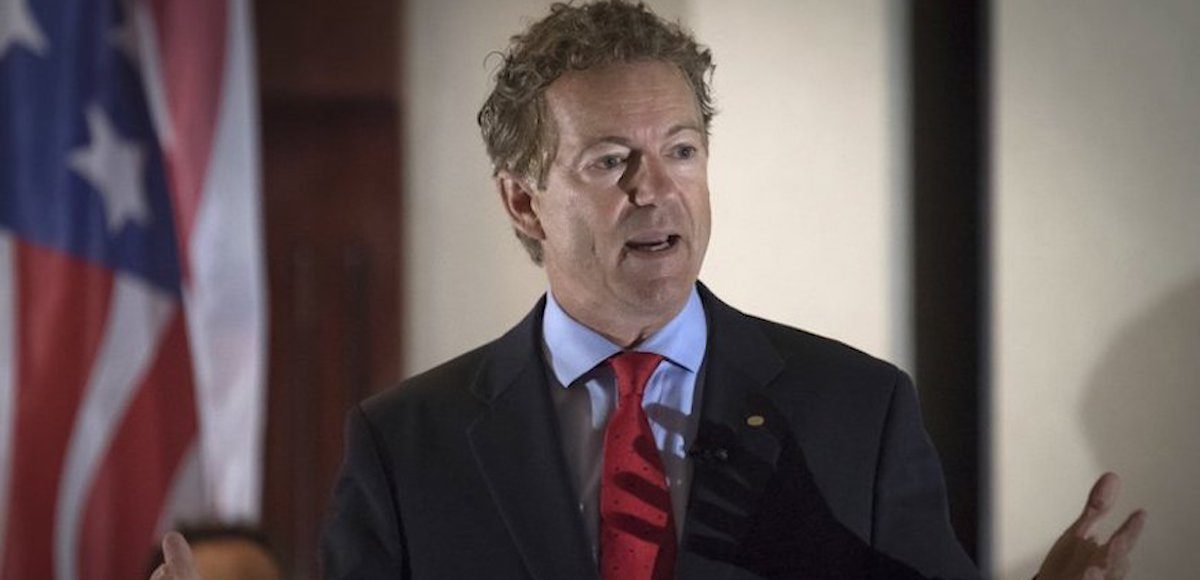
[[1078, 554]]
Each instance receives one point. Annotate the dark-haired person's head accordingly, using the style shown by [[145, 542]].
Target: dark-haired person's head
[[228, 552]]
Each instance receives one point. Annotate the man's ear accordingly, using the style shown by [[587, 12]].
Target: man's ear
[[516, 193]]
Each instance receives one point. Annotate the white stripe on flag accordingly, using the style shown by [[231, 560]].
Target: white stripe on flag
[[225, 303], [8, 372], [138, 314], [150, 61]]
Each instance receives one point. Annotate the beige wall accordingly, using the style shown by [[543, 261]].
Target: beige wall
[[807, 215], [1097, 265], [466, 279]]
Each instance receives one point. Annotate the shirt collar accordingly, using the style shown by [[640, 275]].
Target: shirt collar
[[574, 349]]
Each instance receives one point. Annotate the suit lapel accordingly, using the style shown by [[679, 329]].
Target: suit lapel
[[517, 448], [735, 451]]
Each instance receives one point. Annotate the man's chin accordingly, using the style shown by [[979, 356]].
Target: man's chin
[[660, 297]]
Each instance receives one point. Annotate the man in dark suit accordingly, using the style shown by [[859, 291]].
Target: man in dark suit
[[633, 425], [767, 451]]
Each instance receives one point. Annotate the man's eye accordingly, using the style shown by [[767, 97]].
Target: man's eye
[[610, 162], [685, 151]]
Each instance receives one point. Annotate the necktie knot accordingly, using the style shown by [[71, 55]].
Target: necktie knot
[[633, 370]]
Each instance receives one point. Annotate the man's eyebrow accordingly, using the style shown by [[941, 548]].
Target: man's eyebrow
[[624, 142], [618, 140], [684, 127], [607, 139]]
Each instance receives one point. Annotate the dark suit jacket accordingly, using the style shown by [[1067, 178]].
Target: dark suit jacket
[[459, 472]]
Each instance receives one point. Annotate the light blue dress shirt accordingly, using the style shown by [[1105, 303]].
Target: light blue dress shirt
[[584, 396]]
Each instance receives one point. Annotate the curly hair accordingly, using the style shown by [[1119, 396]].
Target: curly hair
[[516, 125]]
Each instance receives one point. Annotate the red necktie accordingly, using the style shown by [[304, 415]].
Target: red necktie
[[637, 530]]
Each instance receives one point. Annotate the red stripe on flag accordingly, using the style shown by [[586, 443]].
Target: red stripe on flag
[[133, 480], [62, 308], [191, 38]]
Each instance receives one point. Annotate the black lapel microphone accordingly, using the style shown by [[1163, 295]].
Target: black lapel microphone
[[706, 455]]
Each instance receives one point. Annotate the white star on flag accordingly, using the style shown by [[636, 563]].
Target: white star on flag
[[18, 27], [116, 168]]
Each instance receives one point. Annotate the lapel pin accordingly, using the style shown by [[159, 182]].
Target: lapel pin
[[755, 420]]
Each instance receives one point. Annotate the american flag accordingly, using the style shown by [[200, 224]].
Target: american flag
[[132, 318]]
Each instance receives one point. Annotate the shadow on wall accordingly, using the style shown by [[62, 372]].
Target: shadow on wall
[[1141, 415]]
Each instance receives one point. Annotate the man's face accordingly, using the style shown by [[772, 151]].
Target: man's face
[[624, 211]]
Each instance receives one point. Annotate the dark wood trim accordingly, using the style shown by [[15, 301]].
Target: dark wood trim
[[950, 134], [332, 206]]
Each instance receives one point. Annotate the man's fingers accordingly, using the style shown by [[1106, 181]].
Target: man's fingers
[[1129, 531], [160, 573], [1121, 543], [176, 554], [1100, 499]]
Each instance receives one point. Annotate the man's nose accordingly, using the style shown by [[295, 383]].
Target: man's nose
[[648, 180]]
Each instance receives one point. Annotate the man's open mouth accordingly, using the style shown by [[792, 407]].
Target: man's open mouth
[[657, 244]]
